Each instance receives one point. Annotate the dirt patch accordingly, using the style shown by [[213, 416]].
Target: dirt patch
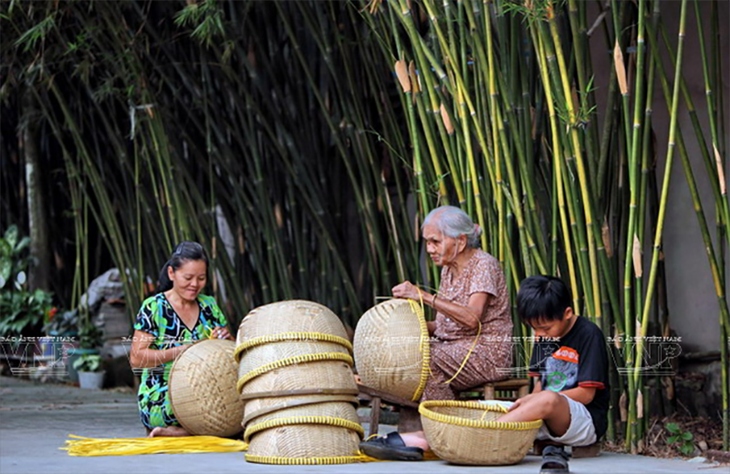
[[706, 439]]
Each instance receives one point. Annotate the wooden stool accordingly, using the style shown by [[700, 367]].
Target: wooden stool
[[408, 419], [510, 389]]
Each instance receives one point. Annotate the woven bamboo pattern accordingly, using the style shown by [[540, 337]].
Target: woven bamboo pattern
[[325, 410], [202, 389], [263, 355], [335, 370], [307, 461], [289, 316], [259, 407], [295, 373], [301, 441], [468, 433], [391, 348], [274, 421], [291, 336]]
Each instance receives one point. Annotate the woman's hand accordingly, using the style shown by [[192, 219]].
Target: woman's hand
[[466, 315], [221, 333], [407, 290], [141, 356]]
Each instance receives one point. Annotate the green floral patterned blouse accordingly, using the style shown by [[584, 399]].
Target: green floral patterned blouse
[[158, 318]]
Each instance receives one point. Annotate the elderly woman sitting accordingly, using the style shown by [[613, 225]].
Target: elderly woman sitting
[[471, 342]]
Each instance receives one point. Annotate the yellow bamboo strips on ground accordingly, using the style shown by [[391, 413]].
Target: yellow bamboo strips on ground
[[82, 446]]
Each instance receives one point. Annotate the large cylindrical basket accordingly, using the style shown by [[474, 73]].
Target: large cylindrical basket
[[464, 432], [391, 348]]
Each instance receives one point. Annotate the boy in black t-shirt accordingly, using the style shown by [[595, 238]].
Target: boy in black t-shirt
[[570, 363]]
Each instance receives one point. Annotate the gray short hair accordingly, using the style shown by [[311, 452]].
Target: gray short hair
[[454, 222]]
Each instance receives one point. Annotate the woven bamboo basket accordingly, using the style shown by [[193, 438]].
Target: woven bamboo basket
[[304, 440], [305, 377], [258, 407], [202, 389], [391, 348], [468, 433], [329, 409], [257, 359], [299, 318]]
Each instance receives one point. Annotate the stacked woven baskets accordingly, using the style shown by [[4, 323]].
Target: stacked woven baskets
[[296, 379], [202, 389], [391, 348]]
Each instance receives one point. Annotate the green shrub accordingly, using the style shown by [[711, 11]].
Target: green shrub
[[22, 312], [682, 440], [88, 363]]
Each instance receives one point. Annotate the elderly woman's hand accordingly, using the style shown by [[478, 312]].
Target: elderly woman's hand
[[407, 290]]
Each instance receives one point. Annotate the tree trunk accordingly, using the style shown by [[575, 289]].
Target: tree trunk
[[38, 273]]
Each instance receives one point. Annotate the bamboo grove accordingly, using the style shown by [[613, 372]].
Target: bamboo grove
[[300, 141]]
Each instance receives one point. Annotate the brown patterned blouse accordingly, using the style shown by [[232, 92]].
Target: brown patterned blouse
[[491, 358]]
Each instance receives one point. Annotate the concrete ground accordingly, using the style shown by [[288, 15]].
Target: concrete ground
[[36, 419]]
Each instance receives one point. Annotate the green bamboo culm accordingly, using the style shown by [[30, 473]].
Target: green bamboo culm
[[601, 206]]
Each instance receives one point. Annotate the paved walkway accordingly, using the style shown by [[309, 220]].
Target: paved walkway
[[36, 419]]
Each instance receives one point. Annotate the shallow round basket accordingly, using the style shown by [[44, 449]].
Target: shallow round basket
[[202, 389], [328, 374], [391, 348], [258, 407], [299, 318], [467, 433], [330, 410], [273, 354], [328, 441]]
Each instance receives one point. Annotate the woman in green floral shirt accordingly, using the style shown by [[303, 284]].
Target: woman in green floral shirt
[[167, 323]]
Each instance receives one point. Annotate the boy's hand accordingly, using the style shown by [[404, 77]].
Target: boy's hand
[[520, 401]]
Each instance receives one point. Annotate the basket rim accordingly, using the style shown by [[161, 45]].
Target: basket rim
[[303, 420], [425, 346], [301, 359], [424, 343], [290, 336], [316, 399], [425, 410], [303, 391], [320, 460]]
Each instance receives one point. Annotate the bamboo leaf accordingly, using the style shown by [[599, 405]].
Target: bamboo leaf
[[606, 237], [618, 61], [636, 257], [402, 72], [415, 79], [720, 170], [447, 120]]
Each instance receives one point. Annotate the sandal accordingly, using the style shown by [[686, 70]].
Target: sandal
[[391, 448], [554, 460]]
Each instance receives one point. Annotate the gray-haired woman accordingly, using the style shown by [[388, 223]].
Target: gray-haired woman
[[472, 331]]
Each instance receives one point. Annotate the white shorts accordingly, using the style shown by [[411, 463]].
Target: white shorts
[[581, 431]]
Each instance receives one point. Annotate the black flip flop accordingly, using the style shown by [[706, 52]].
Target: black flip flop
[[391, 448], [554, 460]]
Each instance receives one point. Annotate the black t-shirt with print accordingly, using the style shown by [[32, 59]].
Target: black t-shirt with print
[[578, 359]]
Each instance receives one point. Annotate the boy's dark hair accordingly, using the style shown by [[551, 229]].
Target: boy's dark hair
[[542, 297], [184, 252]]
